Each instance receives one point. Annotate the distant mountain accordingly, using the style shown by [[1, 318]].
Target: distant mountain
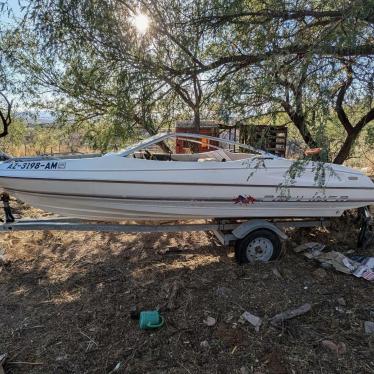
[[33, 118]]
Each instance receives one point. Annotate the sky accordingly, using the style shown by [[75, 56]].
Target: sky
[[25, 112], [15, 9]]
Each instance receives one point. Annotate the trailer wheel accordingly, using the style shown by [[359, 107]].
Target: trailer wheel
[[258, 246]]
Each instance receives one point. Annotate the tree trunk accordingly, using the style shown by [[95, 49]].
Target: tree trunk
[[352, 131], [298, 119], [344, 151], [300, 124], [196, 127], [307, 137]]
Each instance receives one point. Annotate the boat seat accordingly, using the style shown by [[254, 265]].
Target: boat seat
[[206, 159], [216, 155], [186, 156]]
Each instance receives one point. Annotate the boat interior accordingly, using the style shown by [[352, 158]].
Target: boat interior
[[220, 155], [214, 152]]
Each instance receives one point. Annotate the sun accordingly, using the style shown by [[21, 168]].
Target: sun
[[141, 22]]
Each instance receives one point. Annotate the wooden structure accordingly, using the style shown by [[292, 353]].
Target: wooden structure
[[210, 128], [272, 139]]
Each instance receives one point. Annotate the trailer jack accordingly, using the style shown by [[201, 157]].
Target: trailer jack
[[4, 197]]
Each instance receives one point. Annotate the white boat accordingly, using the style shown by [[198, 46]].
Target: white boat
[[138, 184]]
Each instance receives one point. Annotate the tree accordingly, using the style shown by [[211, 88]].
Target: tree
[[13, 143], [353, 130], [5, 103], [110, 74], [282, 57], [311, 95], [300, 74], [259, 31]]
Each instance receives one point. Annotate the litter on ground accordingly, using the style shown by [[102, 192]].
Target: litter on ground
[[359, 266], [369, 327]]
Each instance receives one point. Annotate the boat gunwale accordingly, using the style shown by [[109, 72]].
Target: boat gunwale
[[279, 186]]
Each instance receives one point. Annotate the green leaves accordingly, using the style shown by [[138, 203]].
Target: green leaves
[[241, 60]]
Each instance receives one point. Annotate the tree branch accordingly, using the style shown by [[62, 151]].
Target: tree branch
[[368, 117], [294, 49], [6, 118], [343, 118], [289, 15]]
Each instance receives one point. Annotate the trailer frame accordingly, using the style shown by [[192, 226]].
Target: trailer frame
[[228, 232], [253, 239]]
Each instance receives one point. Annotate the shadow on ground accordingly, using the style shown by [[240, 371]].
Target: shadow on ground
[[66, 297]]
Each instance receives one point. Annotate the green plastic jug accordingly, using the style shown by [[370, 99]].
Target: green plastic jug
[[150, 319]]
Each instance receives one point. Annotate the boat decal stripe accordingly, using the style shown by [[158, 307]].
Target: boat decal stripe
[[114, 197], [187, 183]]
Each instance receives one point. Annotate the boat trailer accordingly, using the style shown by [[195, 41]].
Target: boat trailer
[[254, 239]]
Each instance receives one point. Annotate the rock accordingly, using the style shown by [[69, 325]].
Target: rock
[[2, 256], [278, 319], [369, 327], [204, 344], [330, 345], [252, 319], [210, 321], [339, 348], [277, 273], [244, 370], [341, 301]]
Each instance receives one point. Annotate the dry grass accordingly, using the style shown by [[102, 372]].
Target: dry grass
[[66, 297]]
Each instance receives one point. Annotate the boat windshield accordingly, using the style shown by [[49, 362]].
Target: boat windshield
[[140, 145], [193, 138]]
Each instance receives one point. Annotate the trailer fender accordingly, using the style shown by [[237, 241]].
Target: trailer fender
[[247, 227]]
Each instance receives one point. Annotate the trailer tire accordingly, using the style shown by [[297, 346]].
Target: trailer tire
[[258, 246]]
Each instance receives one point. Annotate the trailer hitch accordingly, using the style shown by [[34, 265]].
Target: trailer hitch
[[5, 198]]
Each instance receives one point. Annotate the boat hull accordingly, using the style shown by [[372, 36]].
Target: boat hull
[[106, 201], [114, 209], [115, 188]]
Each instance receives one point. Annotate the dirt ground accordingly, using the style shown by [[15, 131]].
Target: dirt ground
[[65, 301]]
